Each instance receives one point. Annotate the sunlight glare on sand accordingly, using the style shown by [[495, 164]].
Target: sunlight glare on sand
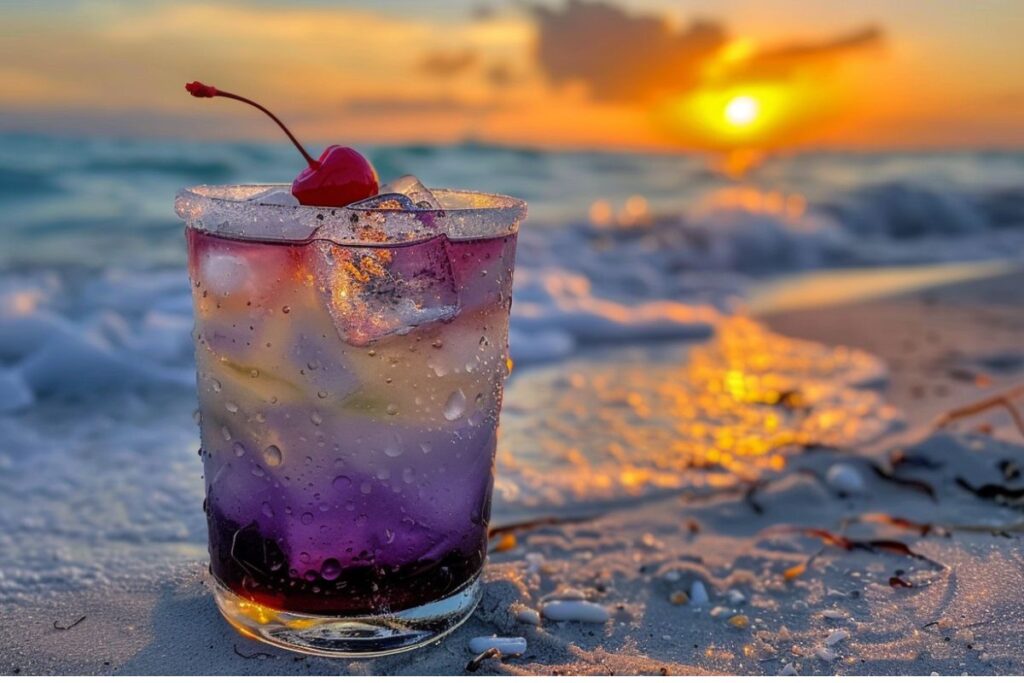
[[727, 410]]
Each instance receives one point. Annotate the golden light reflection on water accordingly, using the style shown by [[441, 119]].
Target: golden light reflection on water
[[731, 408]]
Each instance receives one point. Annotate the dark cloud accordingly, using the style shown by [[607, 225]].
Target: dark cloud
[[784, 60], [621, 56], [447, 64], [637, 58]]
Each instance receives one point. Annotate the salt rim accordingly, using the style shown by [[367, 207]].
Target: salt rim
[[227, 210]]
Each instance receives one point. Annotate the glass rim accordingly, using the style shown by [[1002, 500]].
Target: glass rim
[[228, 211]]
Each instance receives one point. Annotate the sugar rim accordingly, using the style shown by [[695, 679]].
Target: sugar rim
[[226, 210]]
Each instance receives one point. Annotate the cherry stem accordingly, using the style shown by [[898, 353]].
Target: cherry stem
[[209, 91]]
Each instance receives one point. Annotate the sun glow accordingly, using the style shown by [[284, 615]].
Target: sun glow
[[742, 110]]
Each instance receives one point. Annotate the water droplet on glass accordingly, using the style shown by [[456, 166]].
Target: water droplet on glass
[[197, 417], [226, 433], [366, 487], [239, 449], [341, 483], [231, 407], [331, 569], [272, 455], [455, 406], [257, 471], [371, 353], [383, 474], [267, 510], [216, 385], [254, 373], [321, 394], [311, 576], [394, 447], [361, 520], [392, 409], [408, 475], [389, 536], [426, 447], [304, 557], [286, 309], [437, 343], [315, 418], [307, 518], [312, 365]]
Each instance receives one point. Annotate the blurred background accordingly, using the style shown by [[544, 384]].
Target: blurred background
[[679, 159]]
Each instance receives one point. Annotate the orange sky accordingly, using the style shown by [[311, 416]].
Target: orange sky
[[562, 73]]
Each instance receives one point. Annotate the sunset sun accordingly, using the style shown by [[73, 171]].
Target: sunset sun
[[742, 111]]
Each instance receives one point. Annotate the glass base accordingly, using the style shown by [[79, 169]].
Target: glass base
[[350, 636]]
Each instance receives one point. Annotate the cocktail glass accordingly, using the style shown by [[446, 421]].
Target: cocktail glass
[[350, 366]]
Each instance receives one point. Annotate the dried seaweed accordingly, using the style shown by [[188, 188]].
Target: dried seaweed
[[1001, 400], [848, 544], [916, 484], [921, 528], [997, 492], [70, 626], [475, 663], [527, 525], [899, 582]]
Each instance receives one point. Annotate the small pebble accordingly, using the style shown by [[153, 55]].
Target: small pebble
[[735, 597], [679, 598], [698, 594], [528, 616], [836, 637], [825, 654], [570, 594], [788, 670], [845, 479], [506, 646], [739, 621], [783, 634], [577, 610], [718, 611], [673, 576], [833, 614]]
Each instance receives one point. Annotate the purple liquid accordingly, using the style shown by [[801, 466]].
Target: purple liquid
[[348, 474]]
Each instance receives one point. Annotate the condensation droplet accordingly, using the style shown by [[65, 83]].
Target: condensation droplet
[[254, 373], [394, 447], [216, 385], [408, 475], [226, 433], [267, 510], [306, 518], [455, 406], [383, 474], [197, 417], [437, 343], [341, 483], [312, 365], [239, 449], [330, 569], [257, 471], [389, 536], [231, 407], [426, 447], [366, 487], [316, 418], [272, 455], [321, 394], [392, 409], [286, 309]]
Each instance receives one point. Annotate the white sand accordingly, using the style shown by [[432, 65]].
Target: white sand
[[965, 616]]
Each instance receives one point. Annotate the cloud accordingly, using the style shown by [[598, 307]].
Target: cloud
[[784, 60], [448, 64], [620, 56], [637, 58]]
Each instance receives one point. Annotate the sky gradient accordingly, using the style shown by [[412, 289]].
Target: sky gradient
[[650, 74]]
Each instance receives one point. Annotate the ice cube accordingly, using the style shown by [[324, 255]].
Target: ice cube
[[375, 292], [277, 196], [408, 194], [411, 187]]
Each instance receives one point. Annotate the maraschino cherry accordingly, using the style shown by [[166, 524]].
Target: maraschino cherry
[[341, 175]]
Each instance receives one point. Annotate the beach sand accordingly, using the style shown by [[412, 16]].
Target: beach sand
[[781, 599]]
